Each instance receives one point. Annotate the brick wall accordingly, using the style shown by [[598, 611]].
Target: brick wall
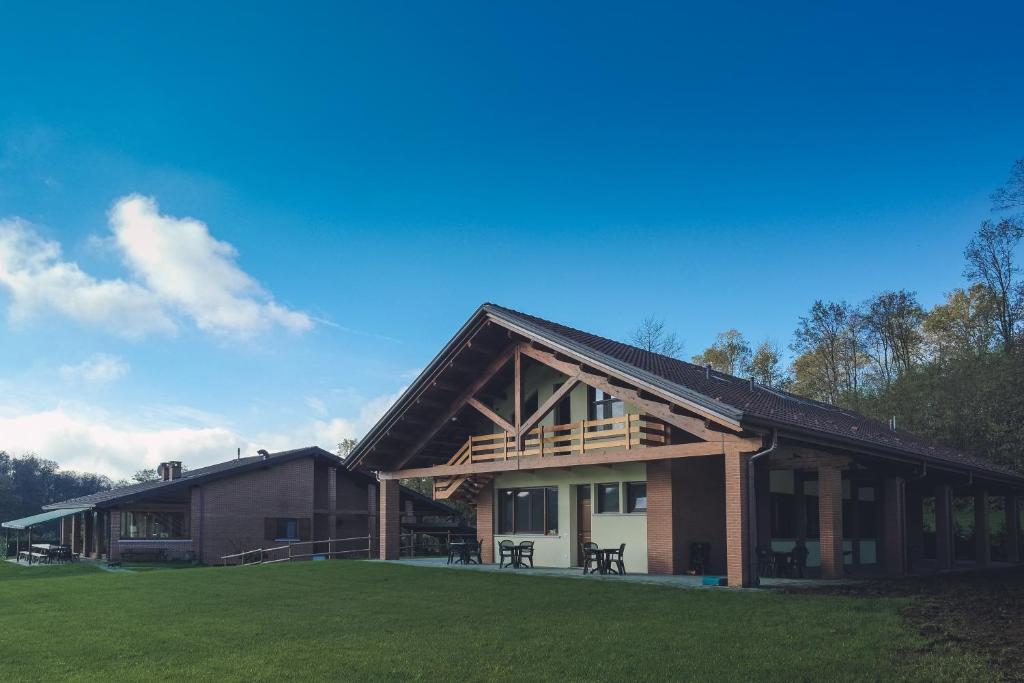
[[661, 546], [390, 522], [485, 522], [737, 534], [830, 521], [234, 508]]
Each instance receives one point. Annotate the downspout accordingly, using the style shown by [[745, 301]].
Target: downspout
[[752, 504]]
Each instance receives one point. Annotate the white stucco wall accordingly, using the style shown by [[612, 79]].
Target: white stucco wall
[[607, 529]]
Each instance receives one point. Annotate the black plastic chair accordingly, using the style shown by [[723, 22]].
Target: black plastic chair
[[591, 557], [526, 552], [506, 550], [472, 552], [700, 554], [765, 561], [616, 563]]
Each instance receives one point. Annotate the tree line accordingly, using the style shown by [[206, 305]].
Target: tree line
[[953, 373]]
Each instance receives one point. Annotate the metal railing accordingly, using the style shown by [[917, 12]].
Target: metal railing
[[411, 544]]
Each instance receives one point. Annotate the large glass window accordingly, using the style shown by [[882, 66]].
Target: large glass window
[[149, 524], [608, 497], [528, 511], [636, 496], [604, 405]]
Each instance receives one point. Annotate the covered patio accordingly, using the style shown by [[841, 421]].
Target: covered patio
[[40, 552]]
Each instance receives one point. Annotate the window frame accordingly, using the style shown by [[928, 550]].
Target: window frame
[[508, 527], [628, 498], [600, 498], [184, 535], [286, 521]]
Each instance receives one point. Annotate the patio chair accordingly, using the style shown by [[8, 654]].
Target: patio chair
[[799, 555], [765, 561], [616, 565], [506, 550], [452, 552], [471, 552], [591, 559], [476, 551], [526, 552], [700, 555]]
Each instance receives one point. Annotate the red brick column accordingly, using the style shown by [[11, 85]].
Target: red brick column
[[943, 527], [195, 523], [373, 515], [115, 534], [737, 535], [661, 552], [981, 535], [830, 520], [390, 520], [485, 522], [1013, 529], [895, 531]]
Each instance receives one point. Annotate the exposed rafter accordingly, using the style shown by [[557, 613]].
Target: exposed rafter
[[549, 405], [491, 415]]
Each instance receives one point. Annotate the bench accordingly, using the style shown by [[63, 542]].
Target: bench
[[144, 555], [30, 557]]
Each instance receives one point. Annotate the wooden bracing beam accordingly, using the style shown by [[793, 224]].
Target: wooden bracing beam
[[491, 415], [549, 405], [693, 425], [457, 405]]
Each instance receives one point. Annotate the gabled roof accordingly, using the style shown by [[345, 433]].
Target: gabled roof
[[196, 476], [721, 397]]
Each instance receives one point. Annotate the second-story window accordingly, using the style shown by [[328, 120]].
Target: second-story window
[[603, 405]]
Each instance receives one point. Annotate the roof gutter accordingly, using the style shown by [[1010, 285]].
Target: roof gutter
[[752, 505]]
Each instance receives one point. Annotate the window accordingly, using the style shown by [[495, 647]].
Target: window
[[286, 528], [149, 524], [608, 497], [604, 405], [636, 496], [528, 511], [563, 409], [530, 404]]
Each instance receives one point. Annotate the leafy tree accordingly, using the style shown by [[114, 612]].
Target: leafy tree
[[991, 261], [831, 355], [652, 336], [730, 353], [766, 365], [963, 327], [346, 446]]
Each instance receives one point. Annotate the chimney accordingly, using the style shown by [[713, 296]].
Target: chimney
[[263, 453], [170, 470]]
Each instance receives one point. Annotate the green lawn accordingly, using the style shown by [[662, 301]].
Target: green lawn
[[363, 621]]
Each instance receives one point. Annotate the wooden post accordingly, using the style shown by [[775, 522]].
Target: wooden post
[[30, 545], [629, 431], [1012, 512], [540, 439], [583, 437], [519, 398], [943, 527], [981, 535]]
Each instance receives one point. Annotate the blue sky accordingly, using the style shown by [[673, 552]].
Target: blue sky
[[361, 176]]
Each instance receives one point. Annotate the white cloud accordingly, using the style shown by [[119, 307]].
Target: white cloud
[[38, 279], [179, 268], [100, 367], [90, 440], [184, 265], [316, 405]]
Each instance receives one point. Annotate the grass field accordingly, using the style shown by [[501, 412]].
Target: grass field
[[372, 621]]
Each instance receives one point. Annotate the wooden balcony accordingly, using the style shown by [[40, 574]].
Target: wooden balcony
[[576, 438]]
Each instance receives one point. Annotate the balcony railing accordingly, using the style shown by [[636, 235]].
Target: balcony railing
[[576, 438]]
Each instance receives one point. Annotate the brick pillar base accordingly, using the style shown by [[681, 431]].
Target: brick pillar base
[[661, 551], [895, 538], [1013, 546], [737, 534], [830, 521], [485, 522], [390, 521], [943, 527], [981, 535]]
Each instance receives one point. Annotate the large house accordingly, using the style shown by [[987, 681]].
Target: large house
[[266, 500], [563, 437]]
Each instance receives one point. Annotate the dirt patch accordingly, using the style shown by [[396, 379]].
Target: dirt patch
[[979, 612]]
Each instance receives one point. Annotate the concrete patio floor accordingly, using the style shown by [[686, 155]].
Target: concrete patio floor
[[674, 581]]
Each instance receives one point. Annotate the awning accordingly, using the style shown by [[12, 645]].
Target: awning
[[26, 522]]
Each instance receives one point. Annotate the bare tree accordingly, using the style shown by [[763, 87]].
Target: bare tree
[[892, 322], [1011, 195], [830, 344], [652, 336], [991, 261], [766, 365]]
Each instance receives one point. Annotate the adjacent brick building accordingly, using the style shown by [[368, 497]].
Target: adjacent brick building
[[261, 501]]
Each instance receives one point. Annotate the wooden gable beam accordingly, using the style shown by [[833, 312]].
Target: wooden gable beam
[[491, 415], [457, 405], [693, 425], [549, 405], [519, 397]]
